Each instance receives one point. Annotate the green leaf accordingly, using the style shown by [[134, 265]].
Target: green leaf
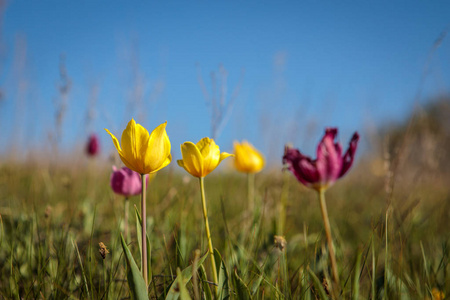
[[136, 282], [223, 289], [149, 246], [205, 284], [241, 288], [174, 291], [184, 294]]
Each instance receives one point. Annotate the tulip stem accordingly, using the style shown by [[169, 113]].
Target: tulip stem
[[251, 191], [125, 219], [144, 231], [208, 234], [326, 222], [283, 203]]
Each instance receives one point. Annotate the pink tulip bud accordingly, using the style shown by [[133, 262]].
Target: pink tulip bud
[[329, 166], [93, 145], [126, 182]]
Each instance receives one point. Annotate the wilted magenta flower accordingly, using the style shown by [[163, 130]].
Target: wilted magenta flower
[[126, 182], [329, 166], [93, 145]]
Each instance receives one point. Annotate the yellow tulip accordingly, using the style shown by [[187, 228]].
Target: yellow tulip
[[247, 158], [143, 152], [202, 158]]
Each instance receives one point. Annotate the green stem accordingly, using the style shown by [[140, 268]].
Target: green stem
[[373, 269], [283, 203], [251, 191], [326, 222], [386, 257], [104, 279], [144, 231], [208, 234]]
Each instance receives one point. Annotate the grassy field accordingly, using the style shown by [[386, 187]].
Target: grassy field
[[390, 227]]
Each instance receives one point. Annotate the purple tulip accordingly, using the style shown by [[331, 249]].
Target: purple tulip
[[329, 166], [126, 182], [93, 145]]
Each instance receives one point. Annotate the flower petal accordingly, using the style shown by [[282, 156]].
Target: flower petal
[[157, 154], [307, 168], [192, 159], [131, 146], [329, 157], [211, 155], [247, 158], [349, 154], [129, 165], [224, 155], [115, 141], [163, 165], [301, 166], [119, 150]]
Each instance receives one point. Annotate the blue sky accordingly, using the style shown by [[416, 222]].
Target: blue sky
[[300, 66]]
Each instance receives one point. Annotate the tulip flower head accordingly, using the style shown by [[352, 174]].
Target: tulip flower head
[[329, 166], [93, 145], [246, 158], [126, 182], [143, 152], [202, 158]]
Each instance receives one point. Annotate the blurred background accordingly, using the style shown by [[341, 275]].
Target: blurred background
[[271, 73]]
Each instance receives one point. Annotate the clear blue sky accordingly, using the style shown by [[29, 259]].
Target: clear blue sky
[[307, 65]]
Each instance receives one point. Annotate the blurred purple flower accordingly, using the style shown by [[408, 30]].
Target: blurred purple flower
[[126, 182], [93, 145], [329, 166]]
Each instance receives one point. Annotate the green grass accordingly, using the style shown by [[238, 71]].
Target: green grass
[[52, 220]]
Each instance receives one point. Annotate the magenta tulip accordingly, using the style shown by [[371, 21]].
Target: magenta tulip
[[93, 145], [126, 182], [329, 166]]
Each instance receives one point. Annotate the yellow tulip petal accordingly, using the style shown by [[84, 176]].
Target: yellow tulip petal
[[224, 155], [180, 163], [203, 145], [164, 164], [131, 166], [248, 159], [115, 141], [192, 159], [158, 151], [133, 140], [211, 156], [128, 140], [121, 154]]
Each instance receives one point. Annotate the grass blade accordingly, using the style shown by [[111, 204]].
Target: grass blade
[[242, 291], [205, 284], [136, 282], [355, 295], [82, 269], [186, 275], [224, 288], [318, 285]]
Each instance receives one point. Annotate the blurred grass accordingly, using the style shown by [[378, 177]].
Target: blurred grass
[[389, 216], [49, 212]]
